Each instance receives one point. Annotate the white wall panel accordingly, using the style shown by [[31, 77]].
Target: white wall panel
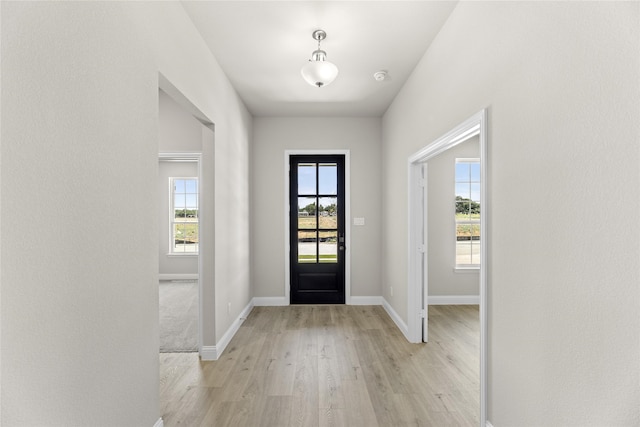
[[80, 143], [560, 80]]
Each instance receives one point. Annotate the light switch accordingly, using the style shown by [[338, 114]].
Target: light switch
[[358, 221]]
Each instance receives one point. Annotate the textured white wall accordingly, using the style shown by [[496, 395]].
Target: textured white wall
[[178, 130], [561, 83], [275, 135], [79, 142], [0, 217], [443, 280], [232, 251]]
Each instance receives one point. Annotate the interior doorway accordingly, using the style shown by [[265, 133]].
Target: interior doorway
[[178, 256], [185, 133], [418, 288]]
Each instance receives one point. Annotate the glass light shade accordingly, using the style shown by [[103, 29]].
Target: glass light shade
[[319, 73]]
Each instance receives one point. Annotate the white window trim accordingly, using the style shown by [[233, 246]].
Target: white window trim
[[172, 220]]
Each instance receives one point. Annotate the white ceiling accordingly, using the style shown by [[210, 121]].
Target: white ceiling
[[262, 45]]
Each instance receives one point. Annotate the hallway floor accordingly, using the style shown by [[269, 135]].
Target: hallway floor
[[330, 366]]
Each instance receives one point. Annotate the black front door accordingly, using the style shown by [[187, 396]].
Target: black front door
[[317, 226]]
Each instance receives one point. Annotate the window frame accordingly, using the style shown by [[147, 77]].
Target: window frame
[[172, 219], [472, 222]]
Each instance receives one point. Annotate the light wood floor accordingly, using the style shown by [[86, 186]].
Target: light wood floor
[[330, 366]]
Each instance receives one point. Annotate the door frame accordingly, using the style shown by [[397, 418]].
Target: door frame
[[418, 283], [347, 219]]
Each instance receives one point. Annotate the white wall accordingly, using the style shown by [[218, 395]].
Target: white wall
[[232, 244], [0, 218], [443, 279], [275, 135], [79, 142], [178, 132], [561, 83], [172, 264]]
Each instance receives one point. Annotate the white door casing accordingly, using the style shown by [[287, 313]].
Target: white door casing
[[418, 266]]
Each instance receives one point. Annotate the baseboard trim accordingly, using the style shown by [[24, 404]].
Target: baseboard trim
[[396, 318], [280, 301], [185, 276], [208, 352], [213, 352], [269, 301], [454, 300], [370, 300], [226, 338], [159, 423]]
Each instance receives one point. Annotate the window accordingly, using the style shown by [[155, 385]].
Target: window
[[184, 216], [317, 196], [467, 213]]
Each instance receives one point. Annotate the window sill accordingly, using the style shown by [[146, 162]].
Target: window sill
[[466, 270], [187, 254]]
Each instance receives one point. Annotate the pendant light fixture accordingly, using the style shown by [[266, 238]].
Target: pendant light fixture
[[318, 71]]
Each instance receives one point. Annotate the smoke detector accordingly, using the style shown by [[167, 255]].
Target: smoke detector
[[380, 76]]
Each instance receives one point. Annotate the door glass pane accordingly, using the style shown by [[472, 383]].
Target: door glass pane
[[327, 212], [328, 246], [328, 178], [306, 212], [307, 248], [307, 178]]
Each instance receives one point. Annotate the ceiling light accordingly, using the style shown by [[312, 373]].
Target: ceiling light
[[318, 71]]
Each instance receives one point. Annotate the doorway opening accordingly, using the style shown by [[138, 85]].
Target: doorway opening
[[187, 136], [317, 229], [178, 257], [418, 287], [329, 248]]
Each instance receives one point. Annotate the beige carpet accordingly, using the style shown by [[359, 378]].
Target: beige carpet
[[178, 316]]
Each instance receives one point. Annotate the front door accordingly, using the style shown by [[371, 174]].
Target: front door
[[317, 227]]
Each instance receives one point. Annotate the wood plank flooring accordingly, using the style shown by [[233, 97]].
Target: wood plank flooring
[[331, 365]]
